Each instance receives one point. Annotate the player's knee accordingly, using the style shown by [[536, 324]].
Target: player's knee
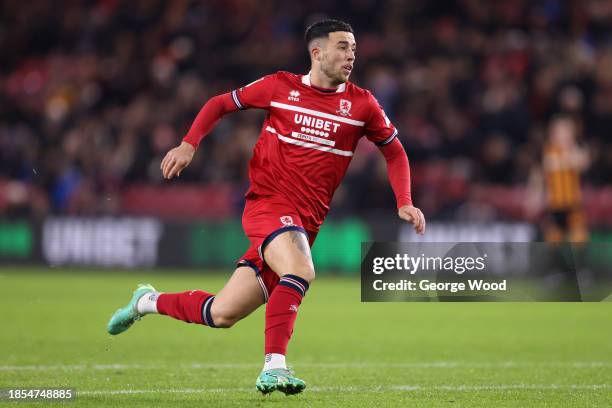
[[224, 317], [309, 274], [223, 322], [304, 271]]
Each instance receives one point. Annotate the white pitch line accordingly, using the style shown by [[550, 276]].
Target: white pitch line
[[357, 389], [196, 366], [170, 391]]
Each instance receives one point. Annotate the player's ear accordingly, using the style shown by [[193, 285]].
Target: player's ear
[[315, 50], [315, 54]]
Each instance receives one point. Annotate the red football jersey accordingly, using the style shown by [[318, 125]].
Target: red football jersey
[[308, 138]]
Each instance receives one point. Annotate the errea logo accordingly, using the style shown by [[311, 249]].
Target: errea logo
[[294, 96]]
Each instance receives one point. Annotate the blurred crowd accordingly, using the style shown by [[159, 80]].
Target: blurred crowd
[[93, 93]]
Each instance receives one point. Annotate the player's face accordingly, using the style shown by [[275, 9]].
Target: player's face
[[562, 133], [338, 56]]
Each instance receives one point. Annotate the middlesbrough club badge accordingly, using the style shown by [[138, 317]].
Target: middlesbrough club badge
[[345, 107], [286, 220]]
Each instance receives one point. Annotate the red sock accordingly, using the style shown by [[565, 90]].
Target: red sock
[[281, 312], [192, 306]]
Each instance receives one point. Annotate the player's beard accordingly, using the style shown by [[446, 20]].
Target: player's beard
[[335, 75]]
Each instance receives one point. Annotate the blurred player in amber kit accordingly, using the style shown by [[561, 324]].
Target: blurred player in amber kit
[[558, 179]]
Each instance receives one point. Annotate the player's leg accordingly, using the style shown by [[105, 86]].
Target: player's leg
[[274, 227], [287, 253], [553, 227], [239, 297], [577, 225]]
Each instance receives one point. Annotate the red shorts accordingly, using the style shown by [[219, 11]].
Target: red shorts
[[263, 219]]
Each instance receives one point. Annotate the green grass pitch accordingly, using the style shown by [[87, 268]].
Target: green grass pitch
[[350, 354]]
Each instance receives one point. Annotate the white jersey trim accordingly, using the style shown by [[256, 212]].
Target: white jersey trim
[[306, 81], [309, 145], [317, 113], [236, 100], [387, 140]]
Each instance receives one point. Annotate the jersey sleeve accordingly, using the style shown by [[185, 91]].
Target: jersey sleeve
[[398, 169], [257, 94], [379, 128]]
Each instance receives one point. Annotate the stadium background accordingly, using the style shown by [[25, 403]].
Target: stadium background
[[93, 94]]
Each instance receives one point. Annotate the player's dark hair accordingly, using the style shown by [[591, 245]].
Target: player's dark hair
[[321, 29]]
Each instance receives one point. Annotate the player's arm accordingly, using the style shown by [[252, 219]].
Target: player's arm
[[398, 170], [178, 158], [534, 201], [580, 158], [381, 132], [255, 95]]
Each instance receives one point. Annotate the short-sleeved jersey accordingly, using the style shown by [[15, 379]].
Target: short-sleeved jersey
[[308, 138]]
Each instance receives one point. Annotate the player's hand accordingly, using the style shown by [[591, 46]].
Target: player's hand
[[414, 216], [176, 160]]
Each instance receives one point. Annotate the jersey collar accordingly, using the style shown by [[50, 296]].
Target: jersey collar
[[306, 81]]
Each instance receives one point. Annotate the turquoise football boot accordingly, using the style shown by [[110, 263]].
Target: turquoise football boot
[[279, 379], [127, 315]]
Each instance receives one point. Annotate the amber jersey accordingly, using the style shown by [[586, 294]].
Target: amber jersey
[[562, 180], [308, 138]]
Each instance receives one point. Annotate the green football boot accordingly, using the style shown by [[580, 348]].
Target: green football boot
[[127, 315], [279, 379]]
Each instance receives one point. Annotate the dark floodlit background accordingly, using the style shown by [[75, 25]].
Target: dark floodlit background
[[93, 94]]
